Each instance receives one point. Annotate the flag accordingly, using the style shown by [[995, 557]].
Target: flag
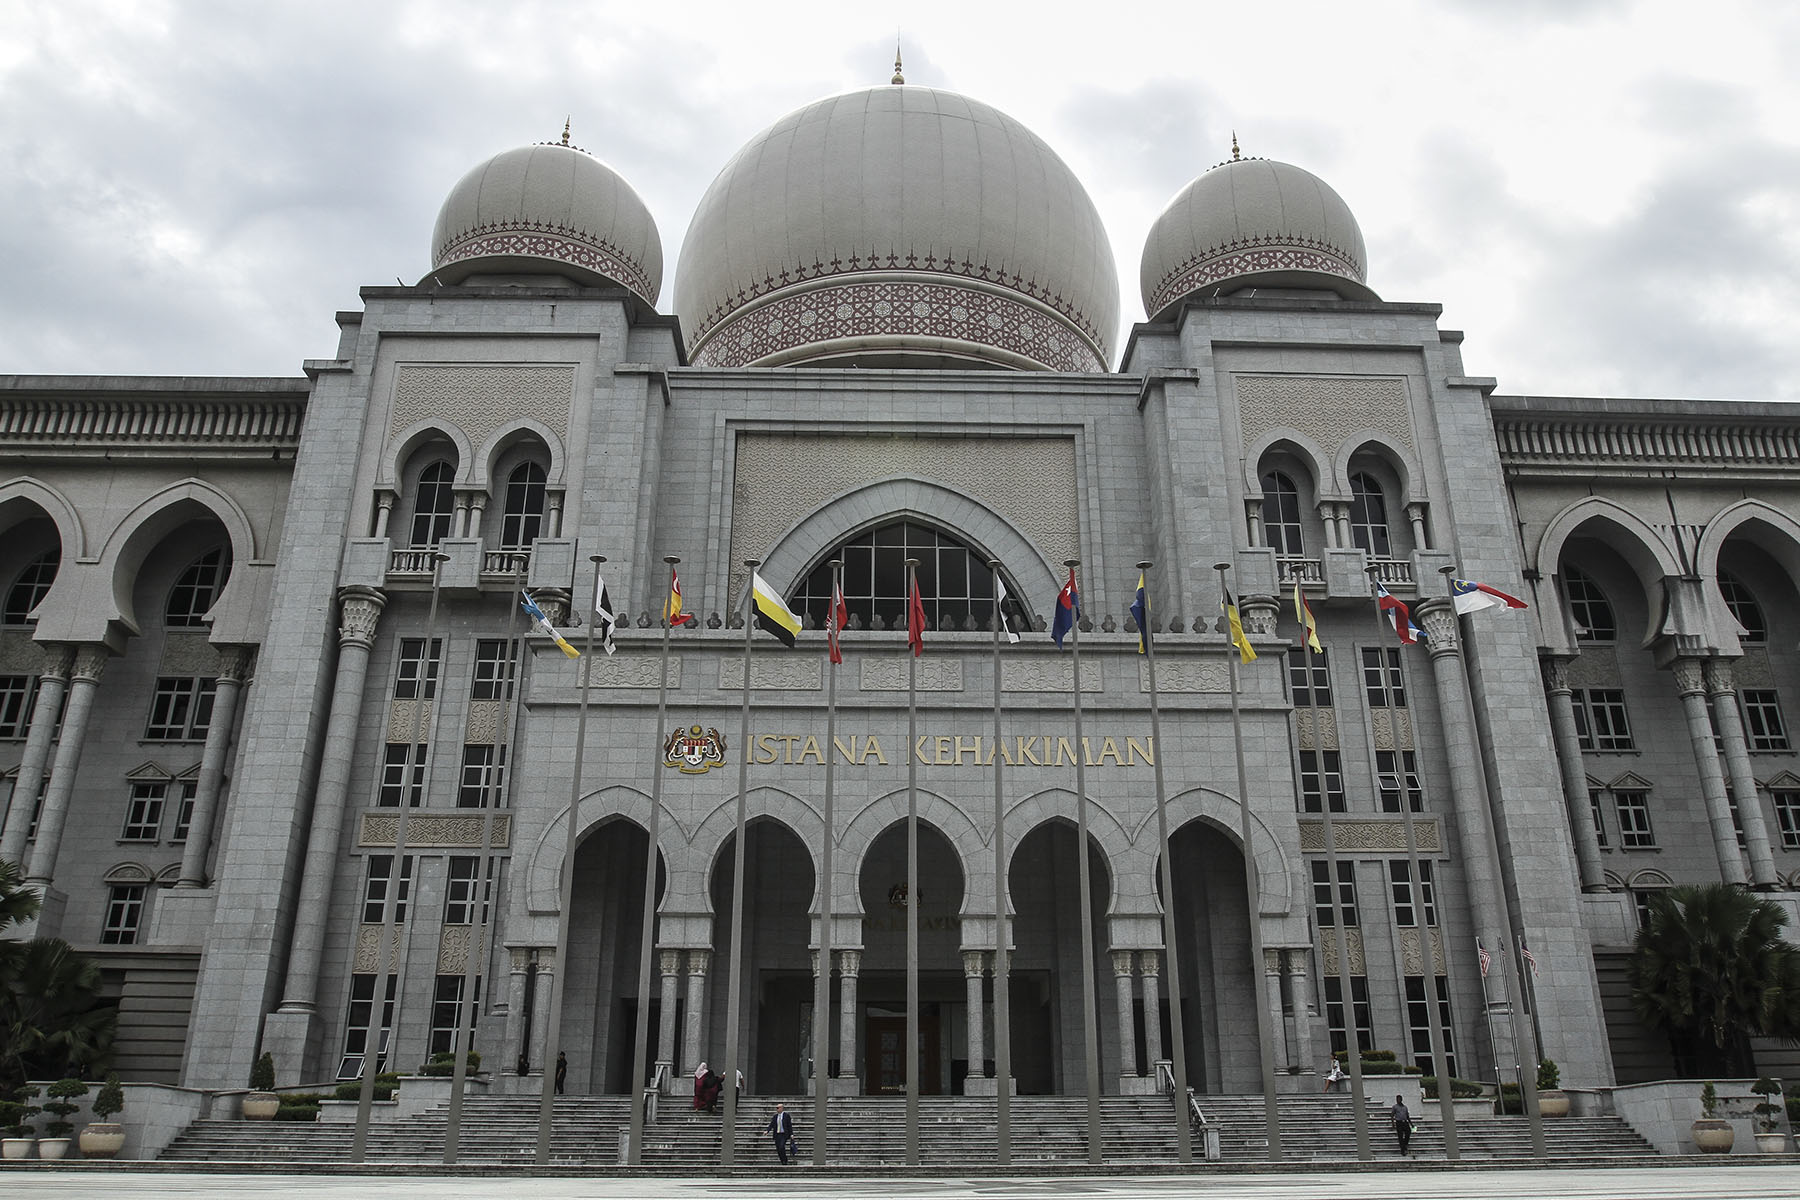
[[543, 625], [1486, 958], [1140, 612], [1471, 597], [1246, 652], [836, 617], [604, 620], [1000, 608], [1068, 610], [1395, 614], [915, 621], [1530, 959], [1308, 626], [772, 615], [673, 613]]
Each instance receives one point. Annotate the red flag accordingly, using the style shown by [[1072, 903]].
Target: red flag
[[673, 613], [835, 619], [915, 621]]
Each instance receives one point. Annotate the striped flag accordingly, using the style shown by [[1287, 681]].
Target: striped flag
[[1240, 639], [772, 615], [1395, 615], [1530, 959], [836, 617], [1000, 608], [673, 613], [1487, 960], [604, 620], [1140, 613], [1472, 597], [1303, 614], [542, 623]]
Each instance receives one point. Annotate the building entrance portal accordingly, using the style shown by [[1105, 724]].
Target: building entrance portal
[[884, 1058]]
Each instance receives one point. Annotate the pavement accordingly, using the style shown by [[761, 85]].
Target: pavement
[[1618, 1183]]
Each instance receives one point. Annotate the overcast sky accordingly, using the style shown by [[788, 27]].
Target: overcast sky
[[1605, 195]]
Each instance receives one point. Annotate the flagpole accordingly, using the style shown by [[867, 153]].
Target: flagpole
[[397, 878], [1265, 1033], [640, 1042], [1089, 1017], [479, 924], [1434, 1015], [1340, 937], [1488, 1013], [1002, 999], [735, 972], [566, 897], [912, 873], [1184, 1139], [822, 977], [1528, 990]]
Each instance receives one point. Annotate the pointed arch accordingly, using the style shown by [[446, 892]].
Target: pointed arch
[[154, 518], [542, 872], [1379, 445], [407, 442], [17, 496], [1274, 868], [486, 461], [942, 815], [1640, 545], [763, 803]]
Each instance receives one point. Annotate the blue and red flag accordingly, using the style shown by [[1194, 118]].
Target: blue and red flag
[[1395, 614], [1471, 597], [1068, 610]]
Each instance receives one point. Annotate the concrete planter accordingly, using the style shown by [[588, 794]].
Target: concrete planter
[[1772, 1143], [1713, 1136], [16, 1148], [102, 1139], [260, 1106], [1553, 1103], [53, 1148]]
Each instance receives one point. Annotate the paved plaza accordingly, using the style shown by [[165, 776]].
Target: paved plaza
[[1637, 1183]]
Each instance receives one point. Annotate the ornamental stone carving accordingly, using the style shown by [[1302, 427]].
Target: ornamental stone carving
[[406, 722], [188, 653], [849, 963], [634, 671], [460, 830], [1186, 676], [1438, 620], [697, 961], [359, 610], [889, 674], [1392, 728], [1150, 963], [518, 958], [1690, 677], [1718, 677], [235, 663], [1556, 674], [1412, 954], [477, 398], [453, 949], [975, 962], [1327, 408], [1048, 674], [773, 672], [483, 727], [368, 949], [669, 961], [1386, 836], [1327, 732], [1258, 614], [1328, 955], [90, 662], [1271, 961]]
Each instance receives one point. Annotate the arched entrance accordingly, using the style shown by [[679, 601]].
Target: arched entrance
[[1212, 931], [1044, 881], [605, 937]]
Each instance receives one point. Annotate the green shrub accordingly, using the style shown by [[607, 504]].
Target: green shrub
[[262, 1075], [1368, 1056], [110, 1099], [22, 1110], [1460, 1089], [386, 1084], [60, 1093], [1549, 1077], [1793, 1107], [444, 1063]]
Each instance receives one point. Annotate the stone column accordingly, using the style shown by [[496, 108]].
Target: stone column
[[1253, 520], [84, 681], [972, 968], [697, 961], [1299, 980], [1150, 966], [1690, 684], [360, 609], [1574, 774], [1415, 516], [1272, 992], [518, 1020], [849, 963], [477, 506], [53, 685], [384, 511], [232, 671], [553, 511], [1328, 518], [670, 962], [1124, 989], [543, 1049], [1724, 695]]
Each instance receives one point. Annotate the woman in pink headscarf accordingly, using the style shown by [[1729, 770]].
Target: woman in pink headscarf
[[700, 1074]]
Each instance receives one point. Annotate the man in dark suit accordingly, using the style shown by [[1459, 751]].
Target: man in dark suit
[[781, 1125]]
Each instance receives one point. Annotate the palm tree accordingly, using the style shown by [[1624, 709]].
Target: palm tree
[[1710, 969], [51, 1018]]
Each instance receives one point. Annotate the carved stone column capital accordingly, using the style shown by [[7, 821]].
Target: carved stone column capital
[[974, 962], [1556, 674], [235, 663], [698, 961], [1271, 961], [849, 963], [518, 959], [90, 662], [1295, 959], [1121, 960], [1437, 617], [359, 609], [546, 959], [1150, 963], [669, 961], [1690, 676], [1719, 679], [59, 661]]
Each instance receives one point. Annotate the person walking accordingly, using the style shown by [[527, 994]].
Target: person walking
[[781, 1126], [700, 1074], [562, 1071], [1403, 1125]]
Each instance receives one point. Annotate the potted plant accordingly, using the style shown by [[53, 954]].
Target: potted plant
[[103, 1137], [1711, 1135], [1769, 1137], [1552, 1100], [261, 1102], [55, 1142], [16, 1116]]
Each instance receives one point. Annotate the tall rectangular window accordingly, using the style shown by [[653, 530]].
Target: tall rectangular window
[[1397, 772], [413, 664], [376, 881], [394, 775], [1359, 1005], [1763, 726], [1633, 808], [1599, 819], [483, 772], [1418, 1021], [1315, 691], [1600, 720], [1787, 816], [494, 661], [18, 696], [357, 1017], [1321, 881], [144, 810], [1382, 681], [185, 791], [459, 889], [1313, 789], [124, 914], [446, 998], [181, 708], [1400, 875]]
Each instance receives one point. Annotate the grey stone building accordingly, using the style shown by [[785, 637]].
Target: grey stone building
[[259, 632]]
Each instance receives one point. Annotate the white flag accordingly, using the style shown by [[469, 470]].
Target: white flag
[[603, 614], [1000, 608]]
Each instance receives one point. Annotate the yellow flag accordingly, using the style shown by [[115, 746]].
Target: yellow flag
[[1246, 653]]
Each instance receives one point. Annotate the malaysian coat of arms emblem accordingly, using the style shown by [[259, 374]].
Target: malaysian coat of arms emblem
[[693, 752]]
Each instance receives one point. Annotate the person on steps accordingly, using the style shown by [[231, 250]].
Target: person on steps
[[1403, 1124], [781, 1126]]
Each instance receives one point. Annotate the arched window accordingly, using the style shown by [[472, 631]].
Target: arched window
[[1744, 609], [196, 590], [1368, 516], [1281, 514], [433, 505], [1593, 613], [523, 518], [955, 583], [30, 588]]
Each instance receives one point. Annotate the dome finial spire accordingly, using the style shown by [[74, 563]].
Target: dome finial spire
[[1235, 156], [565, 140], [899, 76]]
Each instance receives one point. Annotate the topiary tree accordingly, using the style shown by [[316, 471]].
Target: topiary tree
[[1549, 1076], [59, 1107], [110, 1099], [262, 1074], [16, 1113], [1711, 971]]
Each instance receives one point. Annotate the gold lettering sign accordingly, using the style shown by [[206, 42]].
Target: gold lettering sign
[[687, 747]]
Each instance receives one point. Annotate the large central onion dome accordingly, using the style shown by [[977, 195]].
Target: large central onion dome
[[898, 226], [1252, 222], [548, 210]]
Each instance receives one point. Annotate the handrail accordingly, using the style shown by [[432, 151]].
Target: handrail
[[653, 1090], [1165, 1083]]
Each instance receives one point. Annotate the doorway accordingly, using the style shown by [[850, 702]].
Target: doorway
[[884, 1053]]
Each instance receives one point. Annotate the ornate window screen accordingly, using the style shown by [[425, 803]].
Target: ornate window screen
[[955, 584]]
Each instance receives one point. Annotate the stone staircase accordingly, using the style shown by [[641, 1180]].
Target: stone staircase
[[955, 1133]]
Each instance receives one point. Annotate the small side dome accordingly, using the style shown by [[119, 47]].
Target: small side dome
[[548, 209], [1251, 222]]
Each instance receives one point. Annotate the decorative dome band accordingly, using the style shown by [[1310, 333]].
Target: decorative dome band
[[554, 242], [1252, 256]]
